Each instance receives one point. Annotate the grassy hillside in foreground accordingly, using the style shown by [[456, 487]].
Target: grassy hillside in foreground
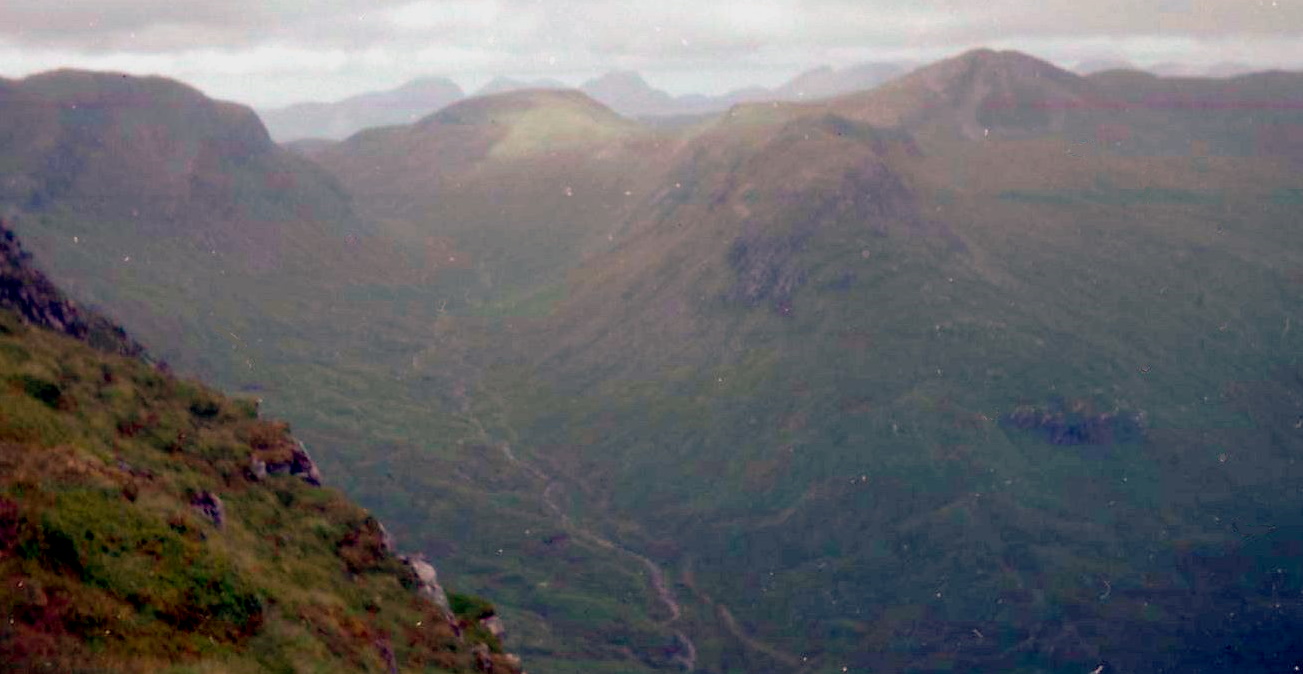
[[153, 524]]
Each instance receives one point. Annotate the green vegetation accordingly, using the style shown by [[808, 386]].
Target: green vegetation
[[42, 390], [567, 125], [108, 563], [470, 607]]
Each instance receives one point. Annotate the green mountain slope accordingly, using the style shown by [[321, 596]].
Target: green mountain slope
[[277, 287], [914, 398], [152, 524], [210, 209], [496, 199], [498, 196]]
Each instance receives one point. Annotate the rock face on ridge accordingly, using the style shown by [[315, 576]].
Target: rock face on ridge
[[29, 293], [427, 581], [300, 465]]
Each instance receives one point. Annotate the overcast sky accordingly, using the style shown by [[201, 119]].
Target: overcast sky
[[273, 52]]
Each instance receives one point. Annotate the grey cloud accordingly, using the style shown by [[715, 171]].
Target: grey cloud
[[996, 19], [158, 25], [622, 26], [269, 50]]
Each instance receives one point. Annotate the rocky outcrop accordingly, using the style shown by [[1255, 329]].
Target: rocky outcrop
[[766, 270], [387, 654], [1065, 424], [483, 658], [366, 547], [387, 544], [200, 595], [29, 293], [493, 625], [210, 506], [488, 662], [427, 582], [487, 659], [257, 468], [300, 465], [296, 462], [512, 661]]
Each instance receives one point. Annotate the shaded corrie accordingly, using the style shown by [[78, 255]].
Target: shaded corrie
[[766, 270], [863, 194], [1077, 423]]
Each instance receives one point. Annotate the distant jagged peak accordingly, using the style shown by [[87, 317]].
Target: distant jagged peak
[[429, 83], [826, 81], [337, 120], [812, 73], [628, 93], [1095, 66], [622, 78]]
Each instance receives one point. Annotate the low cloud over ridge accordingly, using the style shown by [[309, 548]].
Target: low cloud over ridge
[[277, 51]]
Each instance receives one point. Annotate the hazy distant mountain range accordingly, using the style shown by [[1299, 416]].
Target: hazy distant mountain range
[[625, 92], [340, 119], [1166, 69], [501, 85]]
